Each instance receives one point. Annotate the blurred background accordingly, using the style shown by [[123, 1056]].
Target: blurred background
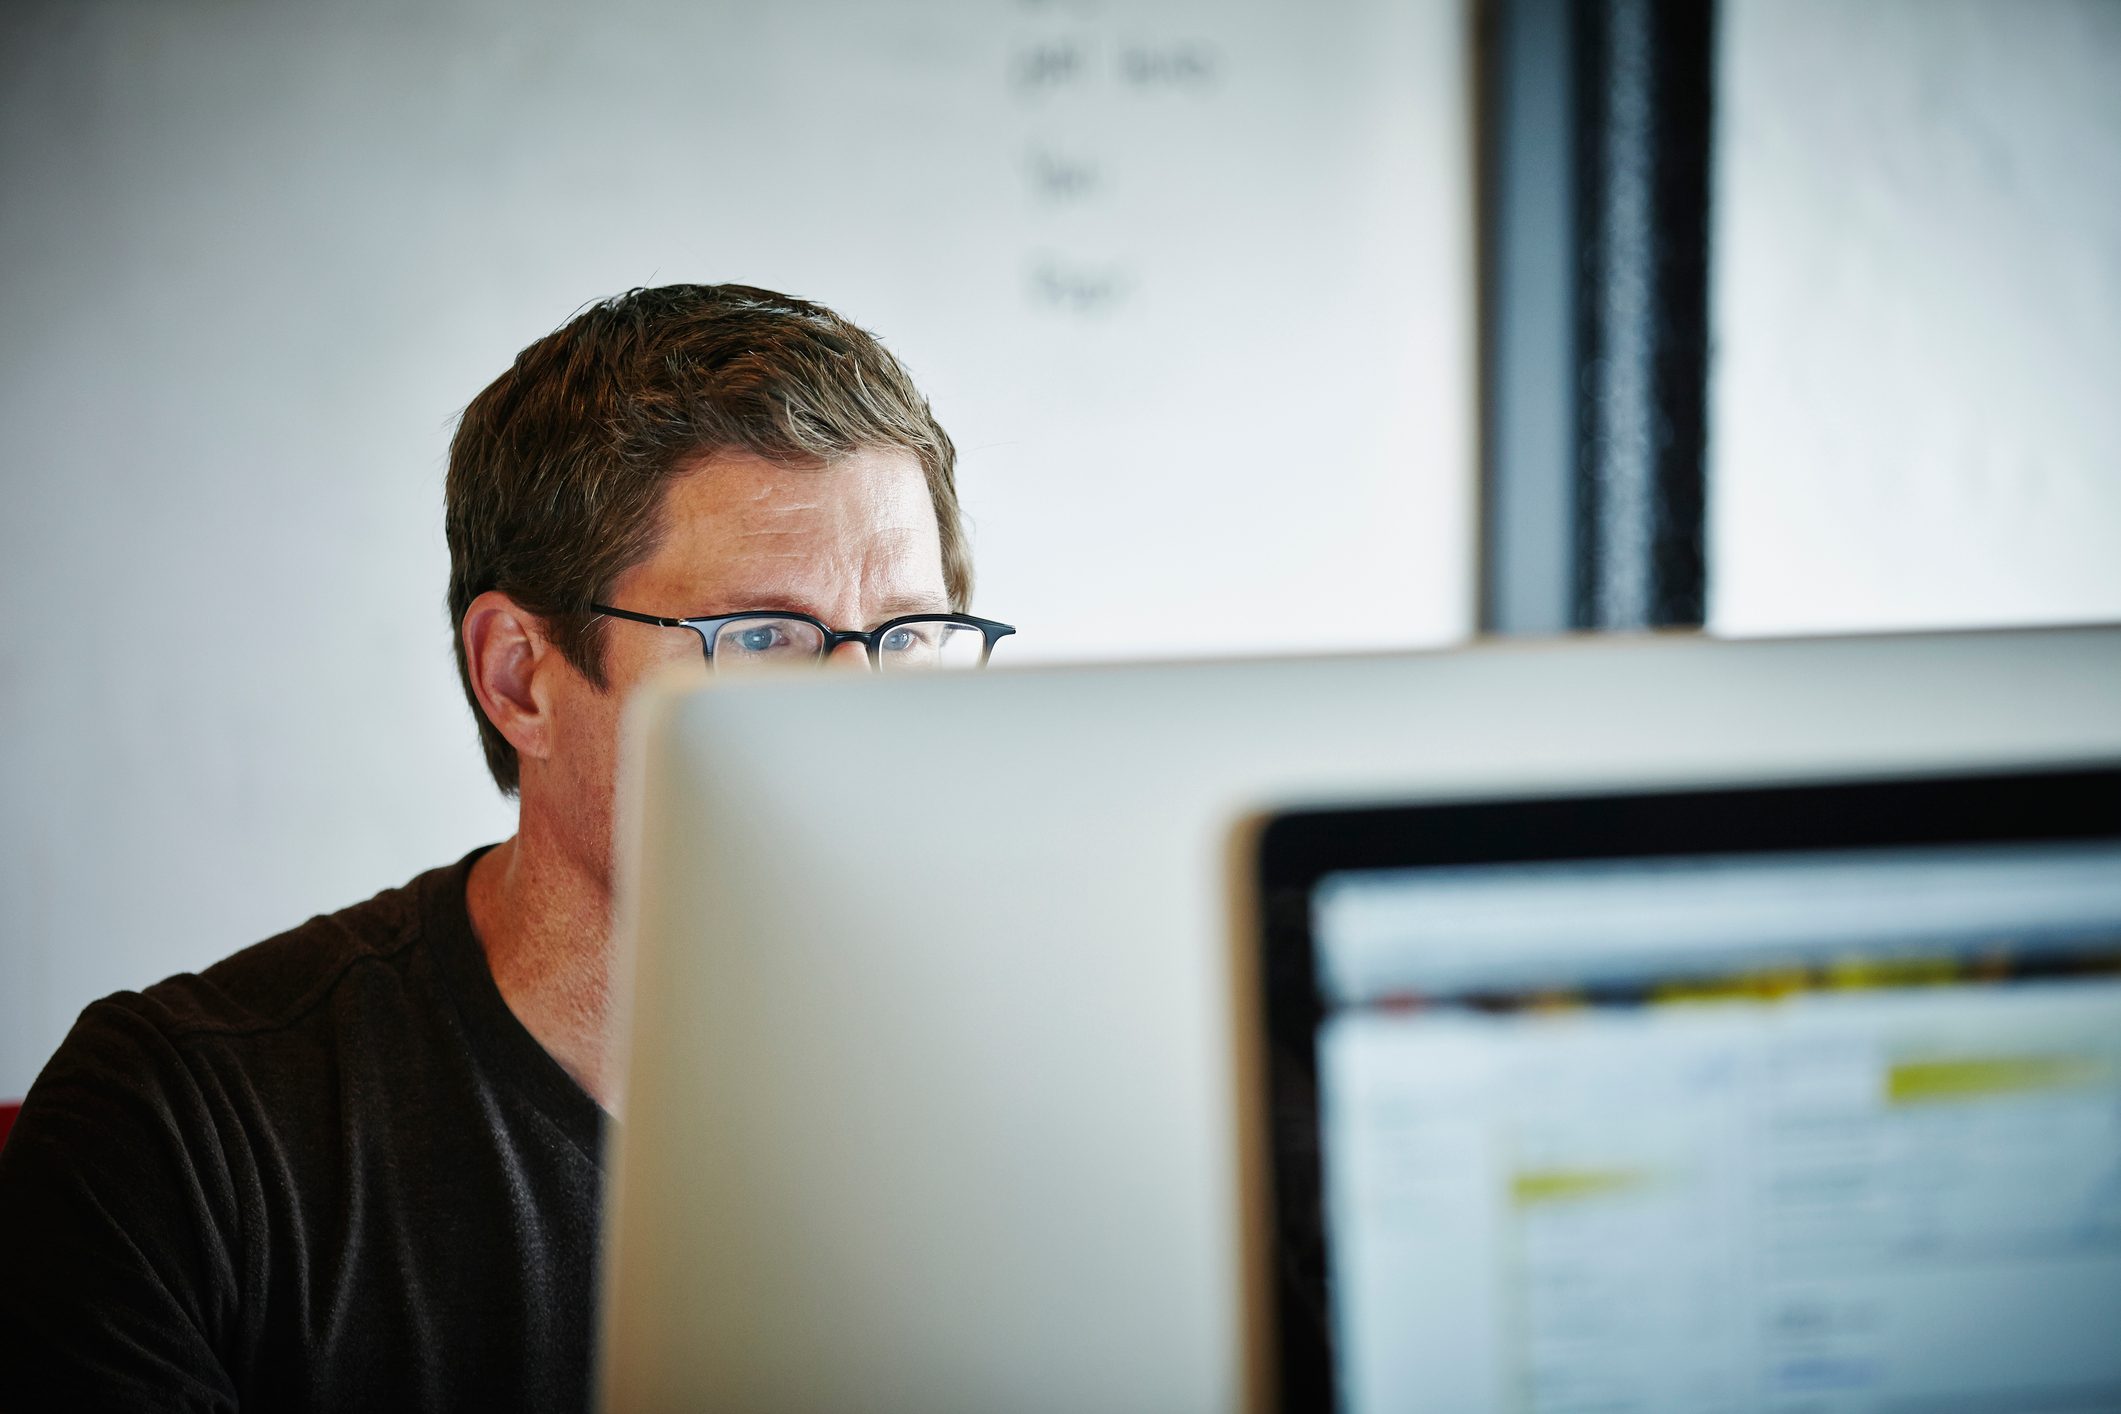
[[1261, 325]]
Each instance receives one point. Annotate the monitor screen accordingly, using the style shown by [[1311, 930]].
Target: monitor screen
[[1803, 1099]]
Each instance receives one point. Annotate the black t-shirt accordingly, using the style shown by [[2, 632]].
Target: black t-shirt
[[331, 1172]]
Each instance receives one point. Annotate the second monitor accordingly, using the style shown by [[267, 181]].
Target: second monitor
[[1804, 1098]]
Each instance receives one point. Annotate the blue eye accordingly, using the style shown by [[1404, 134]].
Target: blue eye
[[761, 643], [760, 638]]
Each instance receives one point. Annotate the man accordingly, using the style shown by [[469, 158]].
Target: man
[[357, 1165]]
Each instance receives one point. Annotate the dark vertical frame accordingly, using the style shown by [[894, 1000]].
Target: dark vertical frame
[[1643, 122], [1595, 148]]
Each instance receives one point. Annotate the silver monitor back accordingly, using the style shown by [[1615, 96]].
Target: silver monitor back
[[939, 1008]]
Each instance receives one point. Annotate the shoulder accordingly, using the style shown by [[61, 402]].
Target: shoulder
[[174, 1055], [175, 1139], [277, 983]]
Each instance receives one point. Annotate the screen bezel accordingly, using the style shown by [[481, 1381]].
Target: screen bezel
[[1298, 848]]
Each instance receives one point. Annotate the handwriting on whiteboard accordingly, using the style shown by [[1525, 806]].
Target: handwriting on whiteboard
[[1079, 82]]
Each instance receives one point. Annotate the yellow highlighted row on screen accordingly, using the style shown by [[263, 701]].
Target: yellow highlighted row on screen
[[1850, 974], [1534, 1186], [1978, 1077]]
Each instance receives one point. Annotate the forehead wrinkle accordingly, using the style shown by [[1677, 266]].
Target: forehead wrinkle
[[853, 546], [773, 502]]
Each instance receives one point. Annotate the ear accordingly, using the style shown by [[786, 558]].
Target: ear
[[504, 647]]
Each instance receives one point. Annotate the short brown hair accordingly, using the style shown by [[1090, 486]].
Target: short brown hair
[[558, 469]]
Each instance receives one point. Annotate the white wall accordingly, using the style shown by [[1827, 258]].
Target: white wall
[[1194, 302], [1916, 403]]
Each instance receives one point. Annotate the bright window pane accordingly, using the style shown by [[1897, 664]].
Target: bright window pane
[[1917, 313]]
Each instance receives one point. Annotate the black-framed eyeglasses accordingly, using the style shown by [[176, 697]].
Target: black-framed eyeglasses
[[767, 638]]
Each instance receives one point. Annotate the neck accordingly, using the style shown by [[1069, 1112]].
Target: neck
[[544, 922]]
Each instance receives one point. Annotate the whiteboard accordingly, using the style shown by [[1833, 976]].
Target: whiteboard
[[1221, 386], [1189, 283]]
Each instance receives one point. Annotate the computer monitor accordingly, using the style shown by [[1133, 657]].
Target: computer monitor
[[942, 995], [1797, 1098]]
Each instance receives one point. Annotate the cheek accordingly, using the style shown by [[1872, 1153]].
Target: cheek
[[584, 721], [591, 722], [637, 656]]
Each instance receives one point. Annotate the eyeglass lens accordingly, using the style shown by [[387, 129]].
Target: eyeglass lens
[[748, 645]]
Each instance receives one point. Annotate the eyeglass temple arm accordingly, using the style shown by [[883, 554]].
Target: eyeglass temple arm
[[638, 618]]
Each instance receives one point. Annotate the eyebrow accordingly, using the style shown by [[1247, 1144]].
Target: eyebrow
[[780, 603], [915, 604]]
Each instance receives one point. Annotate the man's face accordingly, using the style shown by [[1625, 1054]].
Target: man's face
[[853, 544]]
